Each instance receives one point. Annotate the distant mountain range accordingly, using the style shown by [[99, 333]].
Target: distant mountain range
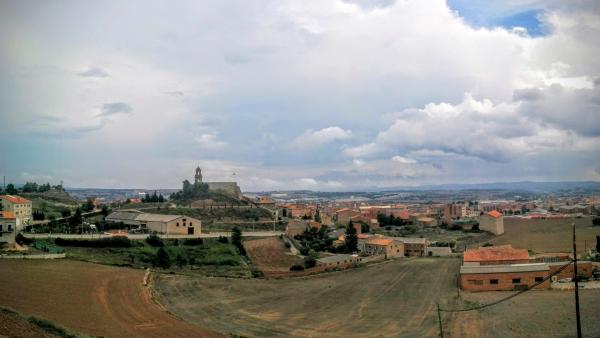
[[537, 187]]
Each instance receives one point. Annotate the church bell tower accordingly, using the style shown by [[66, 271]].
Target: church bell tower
[[198, 177]]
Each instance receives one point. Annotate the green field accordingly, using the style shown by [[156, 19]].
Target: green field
[[208, 259]]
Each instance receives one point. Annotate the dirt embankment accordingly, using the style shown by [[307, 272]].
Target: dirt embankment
[[89, 298]]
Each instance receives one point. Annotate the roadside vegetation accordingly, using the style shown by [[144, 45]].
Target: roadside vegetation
[[194, 256]]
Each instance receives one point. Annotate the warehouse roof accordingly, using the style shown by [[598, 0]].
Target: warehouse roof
[[475, 269], [156, 217], [495, 253], [411, 240], [123, 215]]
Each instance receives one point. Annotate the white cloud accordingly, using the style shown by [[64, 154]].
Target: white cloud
[[209, 141], [403, 160], [311, 138]]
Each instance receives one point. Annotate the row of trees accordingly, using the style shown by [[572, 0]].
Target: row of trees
[[154, 198], [384, 220], [29, 187]]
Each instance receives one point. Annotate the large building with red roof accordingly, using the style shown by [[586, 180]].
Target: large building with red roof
[[8, 225], [493, 222], [21, 207], [503, 254]]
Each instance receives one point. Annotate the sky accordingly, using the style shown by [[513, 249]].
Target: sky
[[321, 95]]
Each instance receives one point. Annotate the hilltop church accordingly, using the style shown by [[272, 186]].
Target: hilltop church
[[229, 188]]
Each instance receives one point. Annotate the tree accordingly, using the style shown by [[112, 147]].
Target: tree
[[318, 216], [76, 219], [236, 240], [161, 198], [65, 213], [180, 261], [311, 259], [88, 205], [10, 189], [162, 259], [105, 210], [598, 244], [154, 240], [351, 238], [596, 221], [475, 227], [30, 187]]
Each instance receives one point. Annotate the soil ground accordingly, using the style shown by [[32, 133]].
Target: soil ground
[[548, 235], [547, 313], [390, 299], [89, 298], [270, 256], [13, 326]]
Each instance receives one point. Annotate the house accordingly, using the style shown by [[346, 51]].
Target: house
[[426, 222], [493, 222], [383, 246], [439, 251], [344, 216], [340, 261], [20, 207], [265, 201], [414, 246], [483, 277], [506, 277], [455, 211], [371, 222], [8, 228], [163, 224], [503, 254]]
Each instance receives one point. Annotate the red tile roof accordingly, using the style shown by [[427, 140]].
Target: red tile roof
[[495, 253], [380, 241], [405, 215], [7, 215], [494, 214], [15, 199]]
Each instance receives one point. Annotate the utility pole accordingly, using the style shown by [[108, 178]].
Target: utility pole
[[440, 320], [576, 283]]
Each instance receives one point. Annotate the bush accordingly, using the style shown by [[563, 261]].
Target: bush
[[287, 245], [154, 240], [296, 267], [309, 262], [596, 221], [110, 242], [22, 240], [193, 241], [223, 239], [162, 259]]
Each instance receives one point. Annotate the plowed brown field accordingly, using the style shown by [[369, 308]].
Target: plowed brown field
[[89, 298], [271, 256]]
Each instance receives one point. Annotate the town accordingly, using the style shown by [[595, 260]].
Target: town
[[213, 229], [286, 168]]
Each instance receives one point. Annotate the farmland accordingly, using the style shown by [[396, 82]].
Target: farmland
[[88, 298], [396, 298], [547, 235], [271, 256]]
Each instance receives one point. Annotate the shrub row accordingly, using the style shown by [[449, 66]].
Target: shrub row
[[111, 242]]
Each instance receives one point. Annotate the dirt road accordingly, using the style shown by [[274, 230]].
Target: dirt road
[[89, 298], [391, 299]]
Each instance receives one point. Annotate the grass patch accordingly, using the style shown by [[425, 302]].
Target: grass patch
[[210, 258]]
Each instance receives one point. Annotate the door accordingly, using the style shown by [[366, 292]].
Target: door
[[190, 230]]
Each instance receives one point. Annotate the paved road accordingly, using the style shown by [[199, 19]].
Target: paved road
[[142, 236]]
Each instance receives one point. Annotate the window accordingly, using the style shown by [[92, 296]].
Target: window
[[516, 280], [493, 281], [539, 279], [177, 224]]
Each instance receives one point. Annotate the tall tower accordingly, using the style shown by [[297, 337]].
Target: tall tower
[[198, 177]]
